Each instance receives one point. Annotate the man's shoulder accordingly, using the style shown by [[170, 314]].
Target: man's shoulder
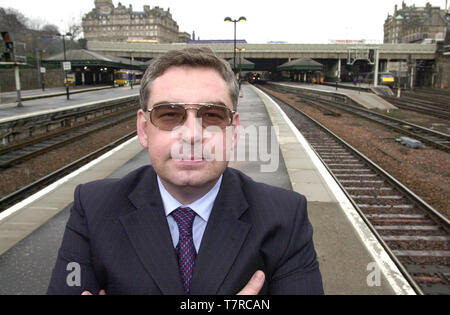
[[113, 189], [128, 181]]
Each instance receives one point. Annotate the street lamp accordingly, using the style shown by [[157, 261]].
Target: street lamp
[[241, 19], [65, 59], [240, 64]]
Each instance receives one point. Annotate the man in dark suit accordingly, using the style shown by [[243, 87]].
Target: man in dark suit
[[188, 224]]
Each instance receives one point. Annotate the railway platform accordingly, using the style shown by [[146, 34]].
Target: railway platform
[[9, 112], [364, 99], [351, 259], [28, 95]]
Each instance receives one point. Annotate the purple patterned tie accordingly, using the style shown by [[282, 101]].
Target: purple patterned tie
[[185, 247]]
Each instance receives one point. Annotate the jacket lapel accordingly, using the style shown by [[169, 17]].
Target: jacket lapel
[[149, 234], [223, 237]]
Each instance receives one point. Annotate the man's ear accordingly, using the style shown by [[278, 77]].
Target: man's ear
[[142, 128]]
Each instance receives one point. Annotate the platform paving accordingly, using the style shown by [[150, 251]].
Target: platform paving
[[26, 95], [365, 99], [57, 103]]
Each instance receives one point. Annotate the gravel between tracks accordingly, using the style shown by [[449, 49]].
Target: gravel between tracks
[[424, 171], [31, 170]]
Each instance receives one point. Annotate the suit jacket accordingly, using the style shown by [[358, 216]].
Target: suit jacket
[[118, 234]]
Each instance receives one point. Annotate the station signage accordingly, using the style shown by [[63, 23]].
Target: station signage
[[67, 66]]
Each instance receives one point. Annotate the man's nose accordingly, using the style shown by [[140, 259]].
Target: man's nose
[[193, 127]]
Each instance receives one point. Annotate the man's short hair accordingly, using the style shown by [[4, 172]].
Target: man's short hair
[[193, 57]]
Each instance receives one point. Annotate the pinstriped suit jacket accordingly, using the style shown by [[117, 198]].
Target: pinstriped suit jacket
[[118, 234]]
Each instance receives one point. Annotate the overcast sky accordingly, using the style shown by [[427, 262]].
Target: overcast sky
[[293, 21]]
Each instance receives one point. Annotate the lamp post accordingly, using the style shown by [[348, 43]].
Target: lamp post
[[39, 53], [241, 19], [65, 59], [240, 64], [132, 72]]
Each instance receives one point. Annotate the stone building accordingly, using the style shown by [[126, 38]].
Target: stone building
[[152, 25], [412, 24]]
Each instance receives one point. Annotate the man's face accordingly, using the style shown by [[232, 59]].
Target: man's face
[[183, 84]]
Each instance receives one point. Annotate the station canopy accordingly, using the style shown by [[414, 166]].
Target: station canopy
[[242, 64], [84, 57], [305, 64]]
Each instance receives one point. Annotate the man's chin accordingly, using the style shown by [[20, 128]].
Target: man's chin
[[192, 173]]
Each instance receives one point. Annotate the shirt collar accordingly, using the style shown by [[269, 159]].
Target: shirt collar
[[202, 206]]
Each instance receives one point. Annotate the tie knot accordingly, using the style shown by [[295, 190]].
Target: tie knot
[[184, 217]]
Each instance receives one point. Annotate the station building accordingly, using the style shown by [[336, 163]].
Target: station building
[[412, 24], [121, 24], [93, 68]]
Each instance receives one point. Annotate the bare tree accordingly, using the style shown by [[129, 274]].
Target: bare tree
[[36, 23], [12, 20], [74, 27], [50, 29], [75, 30], [19, 16]]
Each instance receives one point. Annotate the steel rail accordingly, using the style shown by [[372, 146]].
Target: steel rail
[[367, 113], [67, 137], [24, 192]]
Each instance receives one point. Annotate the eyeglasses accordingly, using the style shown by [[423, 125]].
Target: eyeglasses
[[168, 116]]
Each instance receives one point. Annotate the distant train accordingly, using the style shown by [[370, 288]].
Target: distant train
[[257, 77], [316, 77], [253, 78], [124, 77], [384, 78]]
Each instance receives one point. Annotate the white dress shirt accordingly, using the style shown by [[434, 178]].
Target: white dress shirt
[[202, 208]]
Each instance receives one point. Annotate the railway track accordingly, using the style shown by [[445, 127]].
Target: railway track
[[15, 154], [420, 107], [26, 191], [414, 234], [434, 138], [441, 98]]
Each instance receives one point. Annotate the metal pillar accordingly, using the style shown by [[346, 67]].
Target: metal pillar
[[38, 68], [377, 61], [65, 72], [18, 86], [339, 70]]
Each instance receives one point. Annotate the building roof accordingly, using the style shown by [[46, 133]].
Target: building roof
[[84, 57], [306, 64]]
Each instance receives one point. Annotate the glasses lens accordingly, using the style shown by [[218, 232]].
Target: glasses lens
[[215, 116], [167, 117]]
